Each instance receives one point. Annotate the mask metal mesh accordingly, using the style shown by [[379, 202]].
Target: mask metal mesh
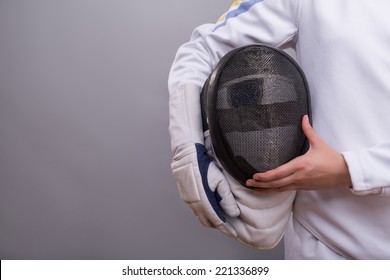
[[254, 102]]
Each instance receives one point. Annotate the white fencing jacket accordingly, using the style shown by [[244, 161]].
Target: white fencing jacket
[[344, 49]]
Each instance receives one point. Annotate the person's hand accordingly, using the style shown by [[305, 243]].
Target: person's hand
[[320, 168]]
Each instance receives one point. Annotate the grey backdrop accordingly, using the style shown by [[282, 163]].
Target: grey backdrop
[[84, 144]]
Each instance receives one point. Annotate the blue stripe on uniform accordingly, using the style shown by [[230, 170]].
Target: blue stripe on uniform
[[244, 7]]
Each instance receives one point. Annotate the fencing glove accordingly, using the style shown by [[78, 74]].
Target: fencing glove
[[202, 185]]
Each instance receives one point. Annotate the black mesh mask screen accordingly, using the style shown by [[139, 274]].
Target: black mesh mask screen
[[253, 104]]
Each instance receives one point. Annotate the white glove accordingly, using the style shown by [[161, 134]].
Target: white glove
[[263, 218], [201, 183]]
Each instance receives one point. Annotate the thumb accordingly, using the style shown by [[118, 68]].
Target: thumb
[[217, 180], [309, 132]]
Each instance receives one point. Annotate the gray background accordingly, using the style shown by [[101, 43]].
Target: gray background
[[84, 144]]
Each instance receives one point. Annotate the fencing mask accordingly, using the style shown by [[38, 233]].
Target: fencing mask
[[252, 104]]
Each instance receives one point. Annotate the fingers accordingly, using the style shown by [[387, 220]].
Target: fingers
[[272, 184], [204, 221], [218, 181], [280, 172]]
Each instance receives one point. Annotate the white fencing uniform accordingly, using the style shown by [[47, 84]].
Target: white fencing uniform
[[343, 48]]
